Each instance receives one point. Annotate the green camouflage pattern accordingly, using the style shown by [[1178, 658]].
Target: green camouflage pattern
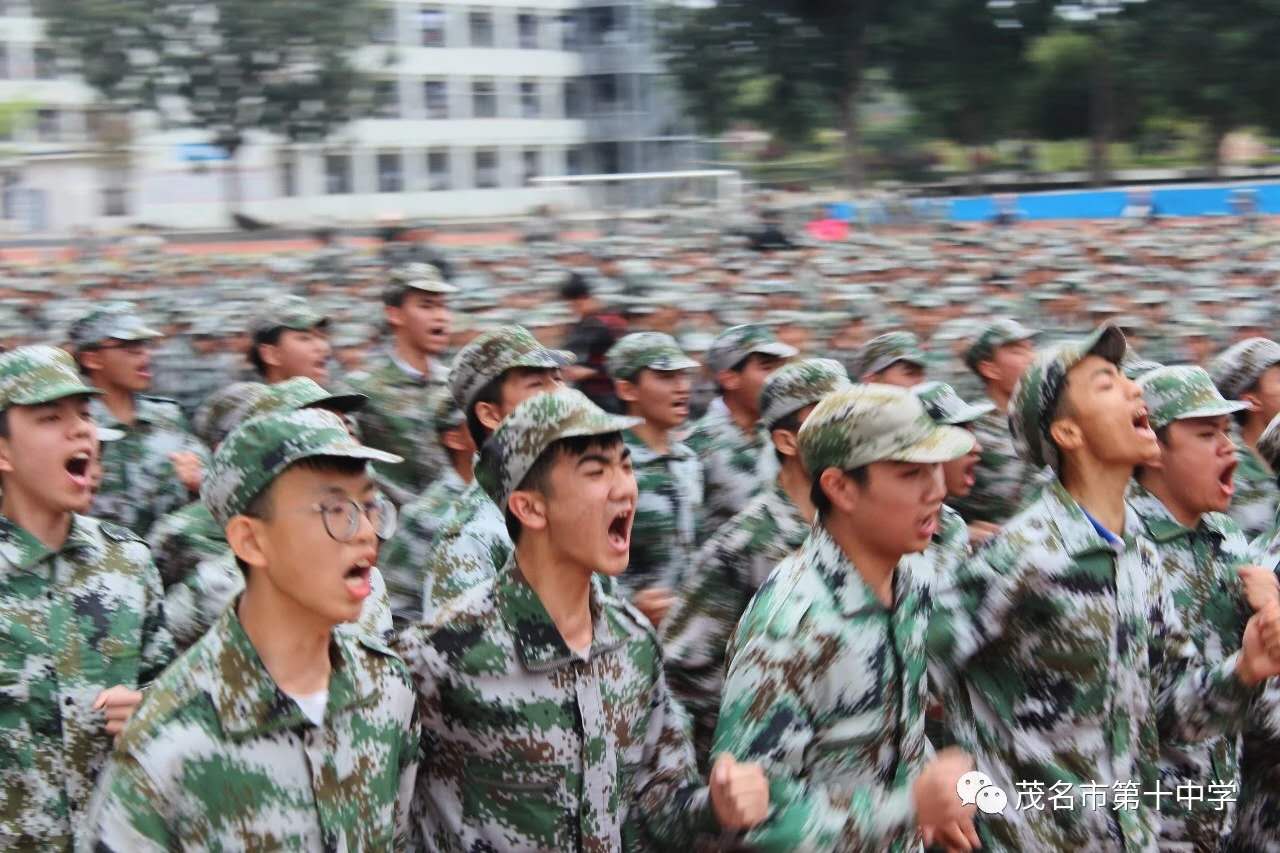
[[119, 321], [1003, 482], [639, 350], [405, 556], [37, 374], [1257, 496], [668, 516], [139, 482], [798, 384], [76, 622], [445, 413], [1269, 444], [260, 449], [532, 427], [223, 410], [882, 351], [1181, 392], [872, 423], [180, 542], [528, 746], [946, 407], [1062, 661], [1258, 806], [470, 547], [417, 276], [217, 757], [1035, 397], [1199, 568], [809, 695], [301, 392], [997, 333], [1237, 368], [734, 344], [285, 311], [736, 466], [495, 352], [727, 571]]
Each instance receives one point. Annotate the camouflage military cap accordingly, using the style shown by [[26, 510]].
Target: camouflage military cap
[[37, 374], [947, 407], [639, 350], [1035, 398], [997, 333], [1134, 365], [109, 434], [801, 383], [1269, 444], [445, 413], [1182, 391], [285, 312], [301, 392], [535, 424], [881, 352], [260, 449], [869, 423], [223, 410], [119, 321], [734, 344], [493, 353], [417, 276], [1237, 369]]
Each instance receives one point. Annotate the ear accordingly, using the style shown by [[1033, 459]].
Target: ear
[[626, 390], [529, 508], [245, 536], [729, 380], [91, 359], [270, 354], [1254, 401], [489, 415], [988, 370], [839, 489], [869, 378], [6, 455], [459, 439], [1066, 433], [785, 441], [394, 315]]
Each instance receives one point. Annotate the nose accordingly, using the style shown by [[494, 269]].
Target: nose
[[937, 484], [623, 485]]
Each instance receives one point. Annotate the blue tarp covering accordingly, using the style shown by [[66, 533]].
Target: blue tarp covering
[[1105, 204]]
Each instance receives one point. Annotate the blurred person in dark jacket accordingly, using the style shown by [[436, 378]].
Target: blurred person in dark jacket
[[589, 339]]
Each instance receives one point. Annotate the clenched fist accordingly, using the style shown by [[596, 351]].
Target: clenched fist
[[190, 472], [739, 793]]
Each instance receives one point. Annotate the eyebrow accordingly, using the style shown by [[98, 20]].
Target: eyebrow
[[1109, 370], [603, 459]]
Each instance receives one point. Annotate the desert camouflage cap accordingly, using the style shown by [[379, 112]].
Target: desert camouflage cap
[[1182, 391], [301, 392], [260, 449], [493, 353], [37, 374], [639, 350], [119, 321], [285, 311], [1237, 368], [798, 384], [735, 343], [1036, 395], [222, 410], [523, 435], [1269, 444], [947, 407], [444, 412], [869, 423], [881, 352], [417, 276], [997, 333]]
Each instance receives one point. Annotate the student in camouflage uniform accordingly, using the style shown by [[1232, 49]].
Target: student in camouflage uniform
[[404, 558], [399, 382], [289, 338], [1249, 371], [83, 622], [826, 684], [733, 564], [274, 730], [547, 722], [491, 376], [1059, 657], [729, 438], [894, 358], [155, 469], [1181, 500], [1003, 482], [652, 379]]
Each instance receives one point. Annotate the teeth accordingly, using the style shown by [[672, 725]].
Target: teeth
[[83, 454]]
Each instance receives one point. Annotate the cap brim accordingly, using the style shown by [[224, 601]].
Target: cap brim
[[344, 403], [885, 363], [943, 444], [676, 364], [1105, 342], [140, 334], [347, 451], [775, 348], [545, 358], [1215, 410], [970, 413], [50, 393], [432, 288]]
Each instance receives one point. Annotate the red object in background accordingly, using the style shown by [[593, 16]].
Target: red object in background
[[828, 229]]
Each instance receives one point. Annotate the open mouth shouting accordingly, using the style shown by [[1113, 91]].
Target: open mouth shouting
[[77, 467], [1227, 480], [358, 579], [620, 530], [1142, 425]]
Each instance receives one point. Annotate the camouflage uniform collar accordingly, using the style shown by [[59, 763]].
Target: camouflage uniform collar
[[842, 578], [143, 413], [1161, 527], [1075, 531], [643, 454], [251, 704], [786, 513], [23, 552], [436, 372], [537, 640]]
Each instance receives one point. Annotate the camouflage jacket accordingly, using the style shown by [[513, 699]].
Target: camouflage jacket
[[1257, 827], [1062, 662], [1003, 483], [139, 482], [735, 467], [529, 746], [826, 688], [217, 757], [192, 554], [934, 567], [396, 419], [75, 622], [1200, 573], [471, 546], [404, 557], [727, 571], [1254, 504], [664, 534]]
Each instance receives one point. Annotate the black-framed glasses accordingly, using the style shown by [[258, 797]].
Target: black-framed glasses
[[341, 517]]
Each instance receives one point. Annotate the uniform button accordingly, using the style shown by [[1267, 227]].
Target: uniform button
[[67, 701]]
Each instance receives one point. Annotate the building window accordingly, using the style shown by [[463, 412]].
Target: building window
[[438, 171], [527, 30], [570, 31], [46, 61], [48, 125], [435, 97], [573, 99], [530, 103], [481, 27], [531, 161], [115, 201], [604, 93], [288, 176], [431, 26], [383, 30], [337, 174], [386, 99], [484, 99], [390, 173], [486, 169], [573, 161]]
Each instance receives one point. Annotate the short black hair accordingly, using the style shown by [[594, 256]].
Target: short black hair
[[790, 423], [4, 423], [393, 297], [576, 287], [491, 393], [271, 338], [539, 477], [821, 502]]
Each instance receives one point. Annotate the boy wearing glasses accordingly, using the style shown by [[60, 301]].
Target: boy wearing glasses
[[275, 730], [155, 469]]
